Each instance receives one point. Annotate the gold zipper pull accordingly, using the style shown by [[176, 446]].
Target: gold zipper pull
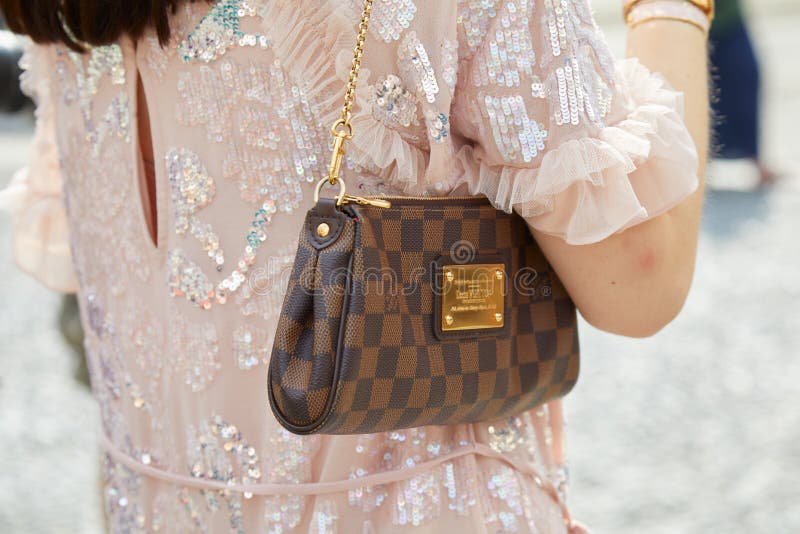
[[374, 202]]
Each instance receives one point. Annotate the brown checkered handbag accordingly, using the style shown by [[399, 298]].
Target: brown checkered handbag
[[404, 312]]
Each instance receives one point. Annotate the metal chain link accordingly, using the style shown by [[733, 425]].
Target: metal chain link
[[342, 129], [358, 55]]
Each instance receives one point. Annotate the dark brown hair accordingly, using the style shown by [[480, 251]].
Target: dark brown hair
[[92, 22]]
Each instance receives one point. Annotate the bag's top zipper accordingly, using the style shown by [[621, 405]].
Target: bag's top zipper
[[385, 201]]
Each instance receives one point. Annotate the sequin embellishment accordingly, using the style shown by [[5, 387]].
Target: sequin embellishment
[[287, 460], [507, 55], [263, 295], [559, 24], [505, 436], [518, 138], [186, 279], [450, 64], [419, 498], [575, 86], [195, 351], [271, 114], [392, 104], [416, 66], [192, 190], [122, 488], [538, 89], [90, 69], [255, 237], [217, 451], [474, 16], [390, 18], [251, 346], [158, 57], [219, 30], [571, 95], [324, 519], [438, 126]]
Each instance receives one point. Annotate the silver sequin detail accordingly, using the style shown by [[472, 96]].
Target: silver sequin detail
[[422, 497], [255, 237], [450, 64], [518, 138], [194, 351], [89, 71], [121, 497], [251, 346], [288, 459], [475, 16], [323, 521], [570, 91], [263, 295], [507, 56], [279, 150], [538, 89], [438, 126], [390, 18], [392, 104], [217, 451], [505, 436], [504, 484], [576, 86], [416, 67], [186, 279], [220, 30], [192, 190], [559, 24]]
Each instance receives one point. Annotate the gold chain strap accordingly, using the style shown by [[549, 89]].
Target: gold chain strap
[[342, 129], [358, 55]]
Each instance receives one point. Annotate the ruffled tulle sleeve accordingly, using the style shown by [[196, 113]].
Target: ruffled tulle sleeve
[[41, 242], [580, 144]]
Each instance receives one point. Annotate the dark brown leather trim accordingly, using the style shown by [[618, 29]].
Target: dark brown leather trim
[[325, 212], [334, 391]]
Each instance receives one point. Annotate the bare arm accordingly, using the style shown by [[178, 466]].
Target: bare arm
[[635, 282]]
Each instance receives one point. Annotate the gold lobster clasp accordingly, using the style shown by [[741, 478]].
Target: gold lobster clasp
[[342, 132]]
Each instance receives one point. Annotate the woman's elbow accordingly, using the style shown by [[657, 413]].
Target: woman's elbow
[[641, 313]]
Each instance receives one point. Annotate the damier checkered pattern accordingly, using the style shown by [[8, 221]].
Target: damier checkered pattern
[[304, 351], [392, 371]]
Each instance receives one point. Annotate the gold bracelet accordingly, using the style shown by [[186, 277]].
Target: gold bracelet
[[668, 10], [706, 6]]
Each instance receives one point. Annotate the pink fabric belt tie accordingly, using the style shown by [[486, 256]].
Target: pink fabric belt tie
[[317, 488]]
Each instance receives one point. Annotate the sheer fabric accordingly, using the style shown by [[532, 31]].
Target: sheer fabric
[[519, 100]]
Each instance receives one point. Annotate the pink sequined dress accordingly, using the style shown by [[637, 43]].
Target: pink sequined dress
[[520, 100]]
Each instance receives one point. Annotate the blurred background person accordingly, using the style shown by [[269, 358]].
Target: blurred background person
[[737, 128]]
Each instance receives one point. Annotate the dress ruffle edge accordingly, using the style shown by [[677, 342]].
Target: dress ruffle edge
[[584, 190], [590, 188], [304, 50], [34, 196]]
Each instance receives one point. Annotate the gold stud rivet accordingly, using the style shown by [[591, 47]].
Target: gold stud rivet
[[323, 230], [449, 319], [499, 274], [498, 317], [450, 276]]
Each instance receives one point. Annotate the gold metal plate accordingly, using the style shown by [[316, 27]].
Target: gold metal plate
[[473, 296]]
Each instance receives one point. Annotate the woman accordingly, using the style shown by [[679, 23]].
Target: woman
[[180, 120]]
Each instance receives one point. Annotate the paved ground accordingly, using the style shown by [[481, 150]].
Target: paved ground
[[700, 433]]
